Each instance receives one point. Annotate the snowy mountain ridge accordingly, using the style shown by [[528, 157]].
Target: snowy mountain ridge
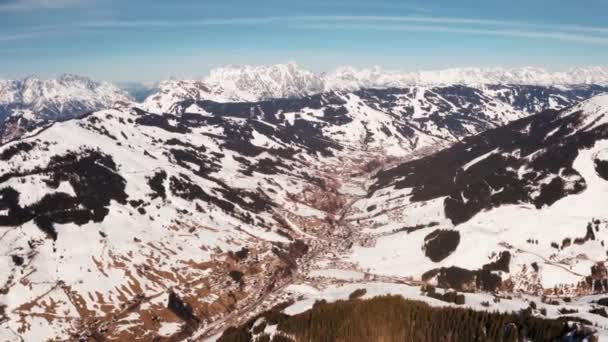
[[376, 77], [54, 97], [255, 83], [30, 102]]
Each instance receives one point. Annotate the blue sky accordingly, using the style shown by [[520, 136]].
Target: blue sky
[[147, 40]]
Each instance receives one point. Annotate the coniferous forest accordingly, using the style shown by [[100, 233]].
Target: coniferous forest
[[393, 318]]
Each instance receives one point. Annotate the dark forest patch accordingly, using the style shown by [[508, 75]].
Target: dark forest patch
[[162, 122], [13, 150], [94, 179], [181, 309], [411, 229], [601, 167], [191, 159], [358, 293], [156, 183], [501, 264], [439, 244], [17, 260], [336, 115], [464, 280], [599, 311], [448, 296], [178, 142], [184, 188], [265, 166], [393, 318]]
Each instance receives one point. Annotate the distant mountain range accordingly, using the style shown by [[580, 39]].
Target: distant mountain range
[[255, 83], [31, 102], [69, 93]]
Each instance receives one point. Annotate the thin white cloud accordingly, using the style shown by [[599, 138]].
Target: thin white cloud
[[454, 21], [340, 19], [561, 36], [180, 23], [453, 25], [367, 5], [20, 36], [289, 19], [32, 5]]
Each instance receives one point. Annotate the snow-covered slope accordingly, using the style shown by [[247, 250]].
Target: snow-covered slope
[[109, 220], [517, 208], [30, 101], [398, 121]]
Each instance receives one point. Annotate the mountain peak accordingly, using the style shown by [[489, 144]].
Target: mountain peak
[[67, 78], [64, 97]]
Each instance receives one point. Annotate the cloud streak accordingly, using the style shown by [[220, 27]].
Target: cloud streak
[[448, 25], [20, 36], [291, 19], [34, 5], [560, 36], [343, 22]]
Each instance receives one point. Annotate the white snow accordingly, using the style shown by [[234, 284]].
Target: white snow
[[478, 159]]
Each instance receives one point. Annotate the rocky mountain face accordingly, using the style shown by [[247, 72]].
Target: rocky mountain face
[[31, 102], [238, 84]]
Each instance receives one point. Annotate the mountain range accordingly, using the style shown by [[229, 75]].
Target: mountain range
[[29, 103], [255, 83]]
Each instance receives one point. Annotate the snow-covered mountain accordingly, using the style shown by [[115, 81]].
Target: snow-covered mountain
[[255, 83], [349, 78], [516, 208], [401, 120], [239, 84], [28, 102]]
